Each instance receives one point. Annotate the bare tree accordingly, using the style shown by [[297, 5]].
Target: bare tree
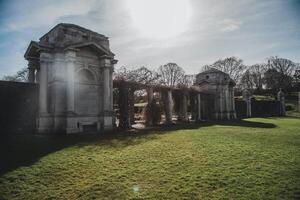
[[257, 72], [273, 80], [247, 81], [253, 78], [232, 66], [296, 82], [280, 73], [140, 75], [20, 76], [205, 68], [188, 80], [282, 65], [171, 74]]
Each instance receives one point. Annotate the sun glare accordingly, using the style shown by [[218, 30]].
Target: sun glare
[[160, 18]]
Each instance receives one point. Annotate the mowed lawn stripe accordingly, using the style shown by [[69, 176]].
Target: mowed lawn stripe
[[234, 160]]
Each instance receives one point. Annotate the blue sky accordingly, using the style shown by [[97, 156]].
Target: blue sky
[[150, 33]]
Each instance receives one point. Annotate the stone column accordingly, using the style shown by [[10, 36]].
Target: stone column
[[124, 122], [281, 99], [227, 102], [184, 115], [149, 120], [247, 99], [70, 64], [230, 110], [106, 89], [37, 75], [221, 104], [168, 107], [44, 122], [107, 104], [43, 89], [299, 102], [233, 104], [199, 117], [131, 104], [31, 72], [217, 105], [150, 95], [193, 106]]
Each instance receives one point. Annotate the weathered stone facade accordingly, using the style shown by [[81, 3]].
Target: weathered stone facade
[[73, 67], [220, 85]]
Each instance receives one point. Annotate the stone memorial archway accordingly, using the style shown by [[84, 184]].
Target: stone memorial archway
[[73, 67]]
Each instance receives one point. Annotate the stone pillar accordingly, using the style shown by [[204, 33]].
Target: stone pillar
[[184, 102], [217, 105], [199, 117], [247, 99], [107, 66], [193, 106], [230, 110], [131, 105], [149, 120], [150, 95], [37, 75], [70, 64], [227, 102], [169, 107], [299, 102], [124, 122], [44, 122], [31, 72], [43, 89], [233, 104], [106, 89], [281, 99], [221, 104]]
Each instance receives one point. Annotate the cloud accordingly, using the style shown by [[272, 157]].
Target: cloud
[[228, 25], [42, 13], [249, 29]]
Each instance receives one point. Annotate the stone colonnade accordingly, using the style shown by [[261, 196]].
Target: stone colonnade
[[126, 103]]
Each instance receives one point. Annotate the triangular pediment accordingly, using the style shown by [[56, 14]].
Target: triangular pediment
[[32, 50], [97, 47]]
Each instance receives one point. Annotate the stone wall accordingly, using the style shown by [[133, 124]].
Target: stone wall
[[258, 108], [18, 105]]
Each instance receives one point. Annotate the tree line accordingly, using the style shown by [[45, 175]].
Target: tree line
[[271, 75]]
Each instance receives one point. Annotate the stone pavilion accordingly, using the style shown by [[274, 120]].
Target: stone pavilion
[[73, 67]]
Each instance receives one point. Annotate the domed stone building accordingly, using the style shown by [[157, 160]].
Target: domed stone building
[[220, 85]]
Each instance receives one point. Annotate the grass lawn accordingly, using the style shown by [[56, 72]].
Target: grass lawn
[[251, 159]]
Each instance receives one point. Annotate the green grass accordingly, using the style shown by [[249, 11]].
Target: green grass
[[258, 98], [252, 159]]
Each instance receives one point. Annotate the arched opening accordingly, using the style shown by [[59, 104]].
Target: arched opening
[[85, 76], [86, 92]]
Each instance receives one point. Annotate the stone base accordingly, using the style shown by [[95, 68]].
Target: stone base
[[45, 124], [232, 115], [108, 123], [225, 115]]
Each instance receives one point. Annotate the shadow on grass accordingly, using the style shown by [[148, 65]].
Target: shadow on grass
[[24, 150]]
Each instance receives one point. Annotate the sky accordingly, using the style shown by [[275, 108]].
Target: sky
[[150, 33]]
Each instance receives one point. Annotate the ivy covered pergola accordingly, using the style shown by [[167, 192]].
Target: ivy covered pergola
[[179, 99]]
